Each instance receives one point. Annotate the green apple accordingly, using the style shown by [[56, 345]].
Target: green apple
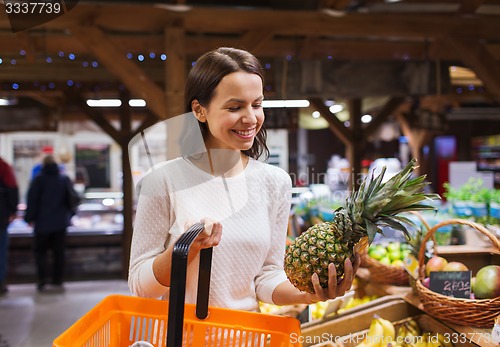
[[385, 260], [395, 254], [393, 246], [405, 253], [377, 252]]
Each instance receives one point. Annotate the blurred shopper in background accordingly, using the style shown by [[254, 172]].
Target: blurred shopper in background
[[37, 168], [49, 211], [9, 198]]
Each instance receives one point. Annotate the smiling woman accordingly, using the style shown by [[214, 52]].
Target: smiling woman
[[243, 202], [235, 115]]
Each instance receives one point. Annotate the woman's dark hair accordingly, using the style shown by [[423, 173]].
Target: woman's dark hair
[[206, 75]]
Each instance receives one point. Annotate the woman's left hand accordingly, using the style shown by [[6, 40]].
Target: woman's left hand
[[334, 289]]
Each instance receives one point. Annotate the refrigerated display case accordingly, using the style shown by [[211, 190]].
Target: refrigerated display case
[[94, 242]]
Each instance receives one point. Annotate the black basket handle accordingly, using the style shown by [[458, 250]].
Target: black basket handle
[[178, 284]]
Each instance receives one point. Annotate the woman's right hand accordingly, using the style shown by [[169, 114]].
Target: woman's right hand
[[209, 237]]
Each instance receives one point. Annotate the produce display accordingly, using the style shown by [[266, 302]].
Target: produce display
[[317, 310], [474, 201], [393, 253], [484, 285], [355, 225], [378, 207]]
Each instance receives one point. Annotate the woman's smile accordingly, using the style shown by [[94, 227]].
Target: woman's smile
[[245, 134]]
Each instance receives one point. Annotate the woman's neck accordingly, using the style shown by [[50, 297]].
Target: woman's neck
[[221, 162]]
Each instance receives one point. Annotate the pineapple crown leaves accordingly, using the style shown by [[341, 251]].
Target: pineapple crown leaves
[[376, 203]]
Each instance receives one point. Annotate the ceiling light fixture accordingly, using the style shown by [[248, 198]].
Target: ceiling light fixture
[[366, 118], [104, 102], [114, 102], [336, 108], [137, 103], [174, 7], [284, 103], [8, 101]]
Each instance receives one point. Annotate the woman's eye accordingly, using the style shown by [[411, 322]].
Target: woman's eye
[[233, 109], [257, 106]]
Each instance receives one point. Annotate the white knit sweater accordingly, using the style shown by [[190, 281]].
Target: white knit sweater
[[253, 208]]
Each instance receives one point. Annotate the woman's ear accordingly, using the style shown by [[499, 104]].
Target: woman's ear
[[199, 111]]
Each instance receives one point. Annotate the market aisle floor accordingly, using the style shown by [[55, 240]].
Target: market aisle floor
[[32, 319]]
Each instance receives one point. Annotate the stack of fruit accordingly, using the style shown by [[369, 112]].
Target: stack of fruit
[[484, 285], [392, 254], [385, 262], [474, 311], [319, 309]]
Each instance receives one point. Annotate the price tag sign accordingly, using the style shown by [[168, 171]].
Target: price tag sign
[[411, 265], [451, 283], [495, 334]]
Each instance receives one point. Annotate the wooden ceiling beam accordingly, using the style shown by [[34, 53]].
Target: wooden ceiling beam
[[336, 5], [387, 110], [477, 58], [96, 116], [149, 19], [255, 40], [336, 126], [175, 70], [307, 48], [50, 101], [260, 42], [132, 76], [388, 25], [10, 46], [469, 6]]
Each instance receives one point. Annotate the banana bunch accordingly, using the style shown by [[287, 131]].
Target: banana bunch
[[381, 333], [408, 334]]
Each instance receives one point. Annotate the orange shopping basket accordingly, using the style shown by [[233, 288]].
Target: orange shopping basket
[[127, 321]]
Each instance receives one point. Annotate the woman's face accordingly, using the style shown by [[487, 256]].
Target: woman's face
[[235, 115]]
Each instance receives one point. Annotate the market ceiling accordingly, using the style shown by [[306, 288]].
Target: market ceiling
[[144, 49], [147, 47]]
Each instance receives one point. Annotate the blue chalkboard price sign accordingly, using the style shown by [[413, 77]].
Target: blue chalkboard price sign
[[451, 283]]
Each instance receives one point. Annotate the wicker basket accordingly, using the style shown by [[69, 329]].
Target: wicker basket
[[478, 313]]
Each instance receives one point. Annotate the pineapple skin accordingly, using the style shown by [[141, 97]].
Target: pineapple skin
[[314, 249]]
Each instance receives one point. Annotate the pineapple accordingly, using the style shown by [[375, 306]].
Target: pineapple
[[415, 243], [355, 225]]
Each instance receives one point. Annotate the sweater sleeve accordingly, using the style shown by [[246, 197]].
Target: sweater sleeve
[[272, 273], [151, 231]]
